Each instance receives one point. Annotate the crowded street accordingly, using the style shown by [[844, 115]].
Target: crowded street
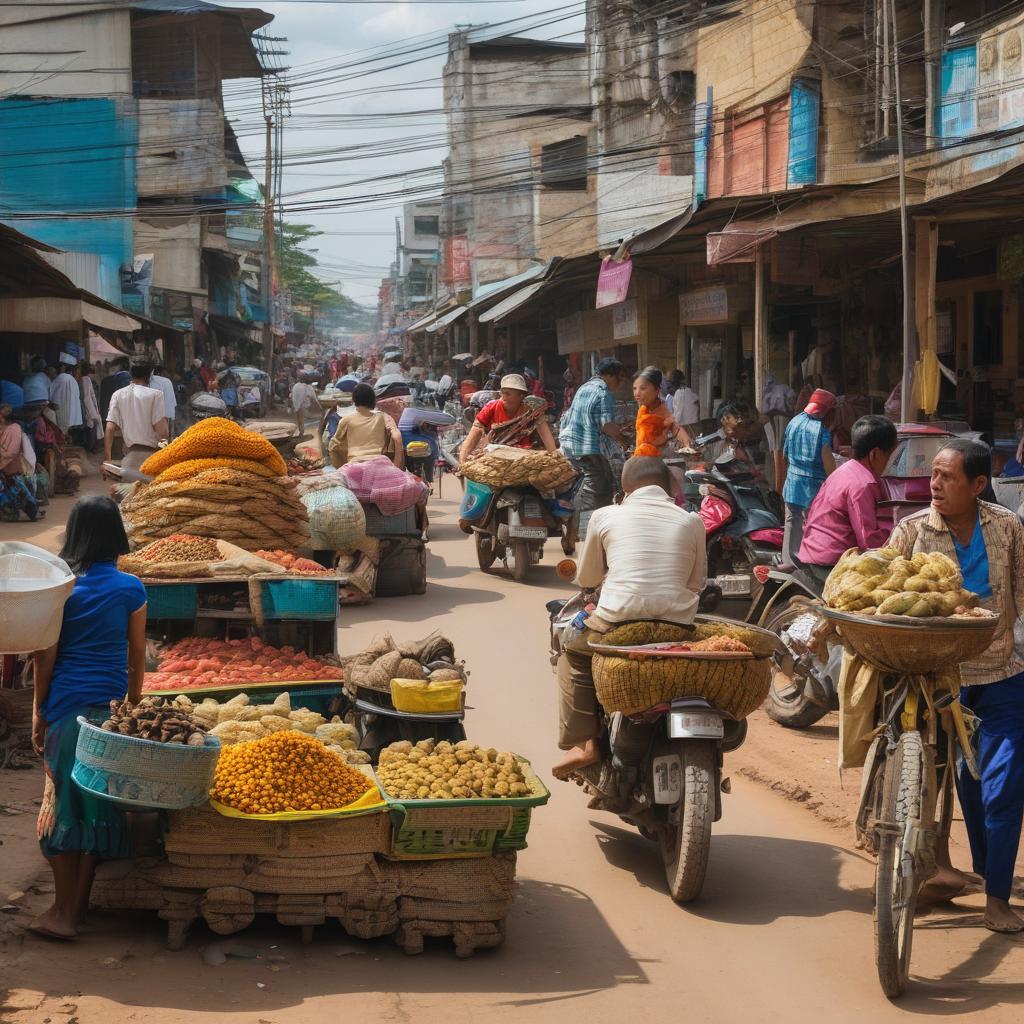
[[786, 904]]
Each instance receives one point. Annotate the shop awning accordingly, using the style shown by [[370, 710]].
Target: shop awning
[[511, 303], [443, 321], [52, 315], [418, 325]]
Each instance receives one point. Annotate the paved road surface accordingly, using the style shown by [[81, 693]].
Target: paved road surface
[[783, 932]]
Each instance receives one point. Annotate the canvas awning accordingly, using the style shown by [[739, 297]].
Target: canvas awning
[[418, 325], [53, 315], [510, 303]]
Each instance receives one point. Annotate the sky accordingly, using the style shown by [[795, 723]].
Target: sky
[[360, 110]]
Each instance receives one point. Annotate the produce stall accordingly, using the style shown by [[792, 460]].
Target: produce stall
[[269, 806]]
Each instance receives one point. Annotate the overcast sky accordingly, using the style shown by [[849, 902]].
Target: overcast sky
[[329, 114]]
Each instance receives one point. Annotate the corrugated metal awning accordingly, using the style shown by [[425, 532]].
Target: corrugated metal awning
[[51, 315], [511, 303], [444, 321]]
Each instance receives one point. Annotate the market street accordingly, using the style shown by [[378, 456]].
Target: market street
[[783, 929]]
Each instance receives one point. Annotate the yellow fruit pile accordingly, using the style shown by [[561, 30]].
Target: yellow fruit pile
[[220, 439], [215, 470], [286, 771], [442, 771], [883, 582]]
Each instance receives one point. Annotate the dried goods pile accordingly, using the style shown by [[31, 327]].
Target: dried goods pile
[[443, 771], [697, 637], [218, 480], [201, 662], [883, 582], [165, 721], [517, 467], [432, 658], [240, 720], [181, 547], [292, 562], [287, 771]]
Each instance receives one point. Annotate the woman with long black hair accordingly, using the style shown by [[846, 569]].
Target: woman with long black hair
[[99, 657]]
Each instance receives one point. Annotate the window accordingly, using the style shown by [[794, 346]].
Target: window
[[563, 165], [425, 226]]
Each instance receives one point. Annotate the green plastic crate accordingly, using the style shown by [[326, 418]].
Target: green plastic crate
[[171, 600], [308, 600], [452, 829]]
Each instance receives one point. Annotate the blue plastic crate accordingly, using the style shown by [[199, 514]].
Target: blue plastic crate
[[300, 599], [171, 601]]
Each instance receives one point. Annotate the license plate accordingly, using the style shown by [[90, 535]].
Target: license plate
[[733, 585], [668, 779], [528, 532], [697, 725]]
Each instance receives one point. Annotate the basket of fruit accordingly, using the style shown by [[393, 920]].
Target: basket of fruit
[[152, 755], [640, 664], [906, 614], [457, 800]]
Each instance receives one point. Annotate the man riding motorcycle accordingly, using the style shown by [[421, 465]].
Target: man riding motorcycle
[[650, 555]]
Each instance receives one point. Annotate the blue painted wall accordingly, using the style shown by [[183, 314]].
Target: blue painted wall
[[72, 156]]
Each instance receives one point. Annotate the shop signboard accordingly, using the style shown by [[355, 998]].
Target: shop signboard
[[625, 321], [704, 306], [613, 281], [570, 334]]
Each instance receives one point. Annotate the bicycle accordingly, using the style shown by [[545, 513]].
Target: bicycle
[[905, 806]]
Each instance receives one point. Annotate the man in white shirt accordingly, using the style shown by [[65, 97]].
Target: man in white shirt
[[303, 399], [160, 382], [685, 401], [137, 411], [66, 398], [650, 555]]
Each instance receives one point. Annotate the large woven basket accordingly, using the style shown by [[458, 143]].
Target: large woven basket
[[919, 646]]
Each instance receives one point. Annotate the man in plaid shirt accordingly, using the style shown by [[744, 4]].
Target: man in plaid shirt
[[591, 415]]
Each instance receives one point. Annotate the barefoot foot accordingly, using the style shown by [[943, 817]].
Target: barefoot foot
[[576, 758], [947, 884], [1001, 917], [51, 926]]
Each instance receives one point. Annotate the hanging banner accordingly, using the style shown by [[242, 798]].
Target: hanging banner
[[625, 321], [613, 281], [569, 330], [804, 113]]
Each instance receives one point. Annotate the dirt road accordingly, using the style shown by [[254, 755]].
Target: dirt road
[[782, 933]]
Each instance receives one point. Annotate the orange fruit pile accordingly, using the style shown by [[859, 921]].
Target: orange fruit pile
[[286, 771]]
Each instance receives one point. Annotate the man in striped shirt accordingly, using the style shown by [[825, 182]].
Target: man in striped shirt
[[591, 415]]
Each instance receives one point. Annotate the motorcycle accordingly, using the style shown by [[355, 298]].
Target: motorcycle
[[661, 770], [513, 522], [419, 428], [743, 530]]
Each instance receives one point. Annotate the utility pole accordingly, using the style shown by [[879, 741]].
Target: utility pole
[[908, 326], [268, 249]]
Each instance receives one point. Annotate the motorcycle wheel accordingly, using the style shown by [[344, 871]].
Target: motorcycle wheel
[[787, 703], [486, 550], [520, 560], [685, 844]]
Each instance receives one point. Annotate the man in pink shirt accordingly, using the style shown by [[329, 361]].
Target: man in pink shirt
[[844, 513]]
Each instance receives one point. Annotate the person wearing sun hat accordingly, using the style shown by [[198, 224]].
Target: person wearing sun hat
[[807, 461], [509, 406]]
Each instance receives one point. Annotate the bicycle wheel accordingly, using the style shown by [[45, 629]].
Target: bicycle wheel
[[905, 798]]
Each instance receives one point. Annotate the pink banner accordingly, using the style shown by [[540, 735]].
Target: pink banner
[[613, 281]]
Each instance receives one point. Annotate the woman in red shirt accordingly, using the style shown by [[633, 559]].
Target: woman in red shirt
[[503, 410]]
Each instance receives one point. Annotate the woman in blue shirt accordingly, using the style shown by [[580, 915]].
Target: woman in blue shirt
[[99, 657], [808, 459]]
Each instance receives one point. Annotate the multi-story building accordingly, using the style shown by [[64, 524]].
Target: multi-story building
[[117, 151]]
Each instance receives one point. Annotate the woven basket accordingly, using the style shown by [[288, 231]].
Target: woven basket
[[919, 646], [633, 685]]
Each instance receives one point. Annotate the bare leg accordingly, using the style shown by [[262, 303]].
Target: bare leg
[[59, 921], [86, 874]]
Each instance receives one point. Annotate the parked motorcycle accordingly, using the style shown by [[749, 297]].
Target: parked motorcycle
[[513, 523], [661, 771], [205, 404], [743, 529]]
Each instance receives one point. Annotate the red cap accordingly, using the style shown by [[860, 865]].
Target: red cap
[[821, 402]]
